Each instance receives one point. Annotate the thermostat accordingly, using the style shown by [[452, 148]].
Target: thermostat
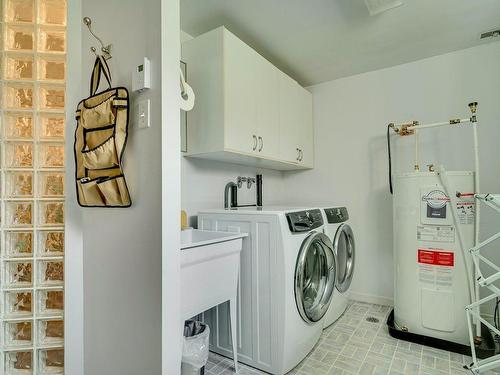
[[141, 77]]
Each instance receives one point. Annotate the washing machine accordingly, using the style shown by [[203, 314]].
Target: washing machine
[[339, 231], [287, 279]]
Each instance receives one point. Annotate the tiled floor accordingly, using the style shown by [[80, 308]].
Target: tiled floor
[[355, 346]]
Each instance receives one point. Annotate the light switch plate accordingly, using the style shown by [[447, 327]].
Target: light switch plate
[[143, 113]]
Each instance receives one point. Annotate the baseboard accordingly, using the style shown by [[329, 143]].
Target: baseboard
[[370, 298]]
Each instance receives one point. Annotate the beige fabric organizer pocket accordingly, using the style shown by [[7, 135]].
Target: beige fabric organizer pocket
[[96, 137], [114, 190], [89, 193], [104, 191], [98, 116], [101, 157]]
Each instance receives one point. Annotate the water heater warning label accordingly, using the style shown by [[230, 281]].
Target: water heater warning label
[[436, 257], [436, 233], [466, 212]]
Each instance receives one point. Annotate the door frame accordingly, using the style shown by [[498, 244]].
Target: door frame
[[172, 324], [73, 233]]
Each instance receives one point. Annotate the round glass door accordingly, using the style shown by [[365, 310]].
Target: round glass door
[[344, 247], [315, 277]]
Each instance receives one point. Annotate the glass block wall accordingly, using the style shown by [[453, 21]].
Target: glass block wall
[[32, 126]]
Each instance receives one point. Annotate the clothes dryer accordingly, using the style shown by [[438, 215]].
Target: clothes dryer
[[337, 228]]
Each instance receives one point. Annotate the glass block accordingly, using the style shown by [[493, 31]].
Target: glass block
[[20, 11], [51, 272], [19, 38], [18, 333], [18, 67], [51, 332], [18, 96], [51, 40], [18, 304], [51, 184], [18, 125], [52, 12], [18, 274], [51, 243], [51, 97], [18, 362], [50, 302], [51, 126], [19, 184], [19, 154], [52, 68], [19, 213], [50, 361], [18, 244], [51, 155], [51, 213]]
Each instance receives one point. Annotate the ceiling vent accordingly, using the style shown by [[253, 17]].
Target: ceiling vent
[[490, 34], [378, 6]]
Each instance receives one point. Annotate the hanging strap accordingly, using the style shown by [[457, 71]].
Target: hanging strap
[[100, 66]]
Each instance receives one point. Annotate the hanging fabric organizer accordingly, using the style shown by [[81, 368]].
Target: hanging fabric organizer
[[100, 138]]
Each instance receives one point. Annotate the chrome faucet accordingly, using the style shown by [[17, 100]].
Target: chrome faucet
[[230, 186], [249, 180]]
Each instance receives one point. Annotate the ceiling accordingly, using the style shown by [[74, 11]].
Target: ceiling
[[319, 40]]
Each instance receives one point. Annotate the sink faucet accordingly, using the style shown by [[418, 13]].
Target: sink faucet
[[230, 186]]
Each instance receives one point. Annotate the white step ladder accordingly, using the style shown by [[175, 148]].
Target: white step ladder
[[472, 310]]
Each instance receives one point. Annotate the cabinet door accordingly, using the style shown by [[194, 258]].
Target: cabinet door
[[240, 72], [306, 128], [267, 100], [289, 118]]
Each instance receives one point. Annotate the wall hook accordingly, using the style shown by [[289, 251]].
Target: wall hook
[[106, 50]]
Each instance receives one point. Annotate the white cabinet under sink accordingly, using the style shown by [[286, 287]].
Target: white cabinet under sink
[[247, 111]]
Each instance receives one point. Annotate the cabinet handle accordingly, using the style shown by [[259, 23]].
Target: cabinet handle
[[301, 155], [298, 154], [254, 142], [261, 144]]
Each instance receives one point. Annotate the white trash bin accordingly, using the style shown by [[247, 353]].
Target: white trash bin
[[195, 347]]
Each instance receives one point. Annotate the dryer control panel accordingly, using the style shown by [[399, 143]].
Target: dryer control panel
[[336, 215], [304, 221]]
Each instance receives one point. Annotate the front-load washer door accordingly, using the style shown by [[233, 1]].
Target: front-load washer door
[[345, 249], [315, 276]]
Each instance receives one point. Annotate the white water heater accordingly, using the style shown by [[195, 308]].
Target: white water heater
[[431, 284]]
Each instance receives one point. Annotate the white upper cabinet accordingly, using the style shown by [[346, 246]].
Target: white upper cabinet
[[240, 96], [306, 128], [268, 127], [246, 110], [296, 123], [289, 119]]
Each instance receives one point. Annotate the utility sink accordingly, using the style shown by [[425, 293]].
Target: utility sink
[[210, 264]]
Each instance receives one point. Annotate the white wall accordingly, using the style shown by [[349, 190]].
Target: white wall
[[351, 115], [203, 183], [122, 255]]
